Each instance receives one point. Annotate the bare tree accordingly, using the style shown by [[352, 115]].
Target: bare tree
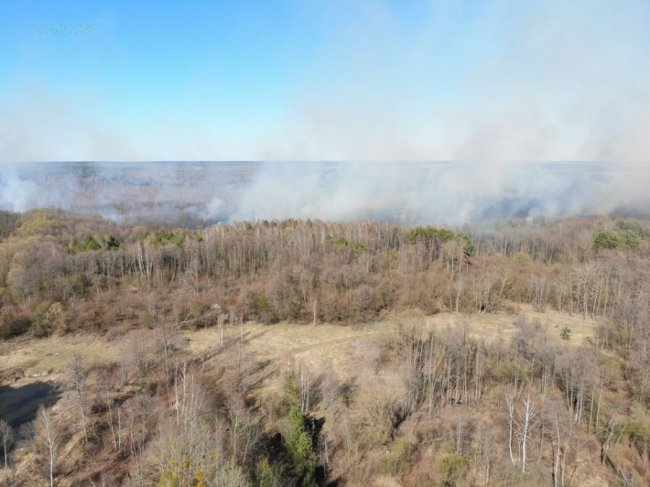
[[610, 434], [510, 404], [7, 435], [560, 446], [305, 389], [134, 358], [166, 342], [526, 420], [220, 320], [107, 384], [50, 437], [78, 374]]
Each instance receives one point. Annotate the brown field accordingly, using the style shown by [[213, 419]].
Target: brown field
[[315, 347]]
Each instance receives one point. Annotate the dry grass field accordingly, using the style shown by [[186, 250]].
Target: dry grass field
[[315, 347]]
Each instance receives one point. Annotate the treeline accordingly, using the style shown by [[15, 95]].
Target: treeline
[[312, 271]]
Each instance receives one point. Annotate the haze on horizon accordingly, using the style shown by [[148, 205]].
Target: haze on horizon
[[484, 83]]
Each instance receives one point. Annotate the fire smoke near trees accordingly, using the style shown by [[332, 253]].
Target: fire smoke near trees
[[400, 192]]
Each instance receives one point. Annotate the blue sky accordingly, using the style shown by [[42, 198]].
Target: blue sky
[[330, 79]]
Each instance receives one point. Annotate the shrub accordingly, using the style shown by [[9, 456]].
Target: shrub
[[110, 243], [339, 241], [432, 236], [47, 318], [619, 239], [265, 313], [453, 468], [638, 429], [38, 223], [429, 234], [522, 257], [164, 237], [90, 243], [299, 444], [290, 387], [397, 458], [565, 334], [264, 473], [634, 228], [12, 324]]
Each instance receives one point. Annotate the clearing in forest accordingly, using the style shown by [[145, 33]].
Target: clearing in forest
[[314, 346]]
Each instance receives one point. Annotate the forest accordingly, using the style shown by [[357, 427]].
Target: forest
[[305, 353]]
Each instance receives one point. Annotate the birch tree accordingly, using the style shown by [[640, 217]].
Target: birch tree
[[527, 417], [50, 437]]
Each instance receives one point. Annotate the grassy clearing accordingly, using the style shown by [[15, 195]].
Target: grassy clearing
[[489, 326], [323, 345], [52, 354]]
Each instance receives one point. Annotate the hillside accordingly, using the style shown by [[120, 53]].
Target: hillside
[[319, 353]]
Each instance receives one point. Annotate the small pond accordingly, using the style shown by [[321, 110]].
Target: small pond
[[19, 405]]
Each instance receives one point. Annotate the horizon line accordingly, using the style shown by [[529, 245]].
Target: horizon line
[[298, 161]]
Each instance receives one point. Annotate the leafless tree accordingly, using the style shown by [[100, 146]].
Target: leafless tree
[[527, 417], [610, 435], [560, 446], [166, 338], [106, 389], [510, 397], [77, 373], [305, 389], [7, 435], [50, 436]]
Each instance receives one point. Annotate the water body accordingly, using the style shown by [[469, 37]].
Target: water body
[[19, 405], [403, 192]]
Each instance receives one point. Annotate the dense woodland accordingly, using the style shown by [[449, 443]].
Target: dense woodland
[[463, 411]]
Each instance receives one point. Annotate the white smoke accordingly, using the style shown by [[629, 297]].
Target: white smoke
[[17, 194], [414, 193]]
